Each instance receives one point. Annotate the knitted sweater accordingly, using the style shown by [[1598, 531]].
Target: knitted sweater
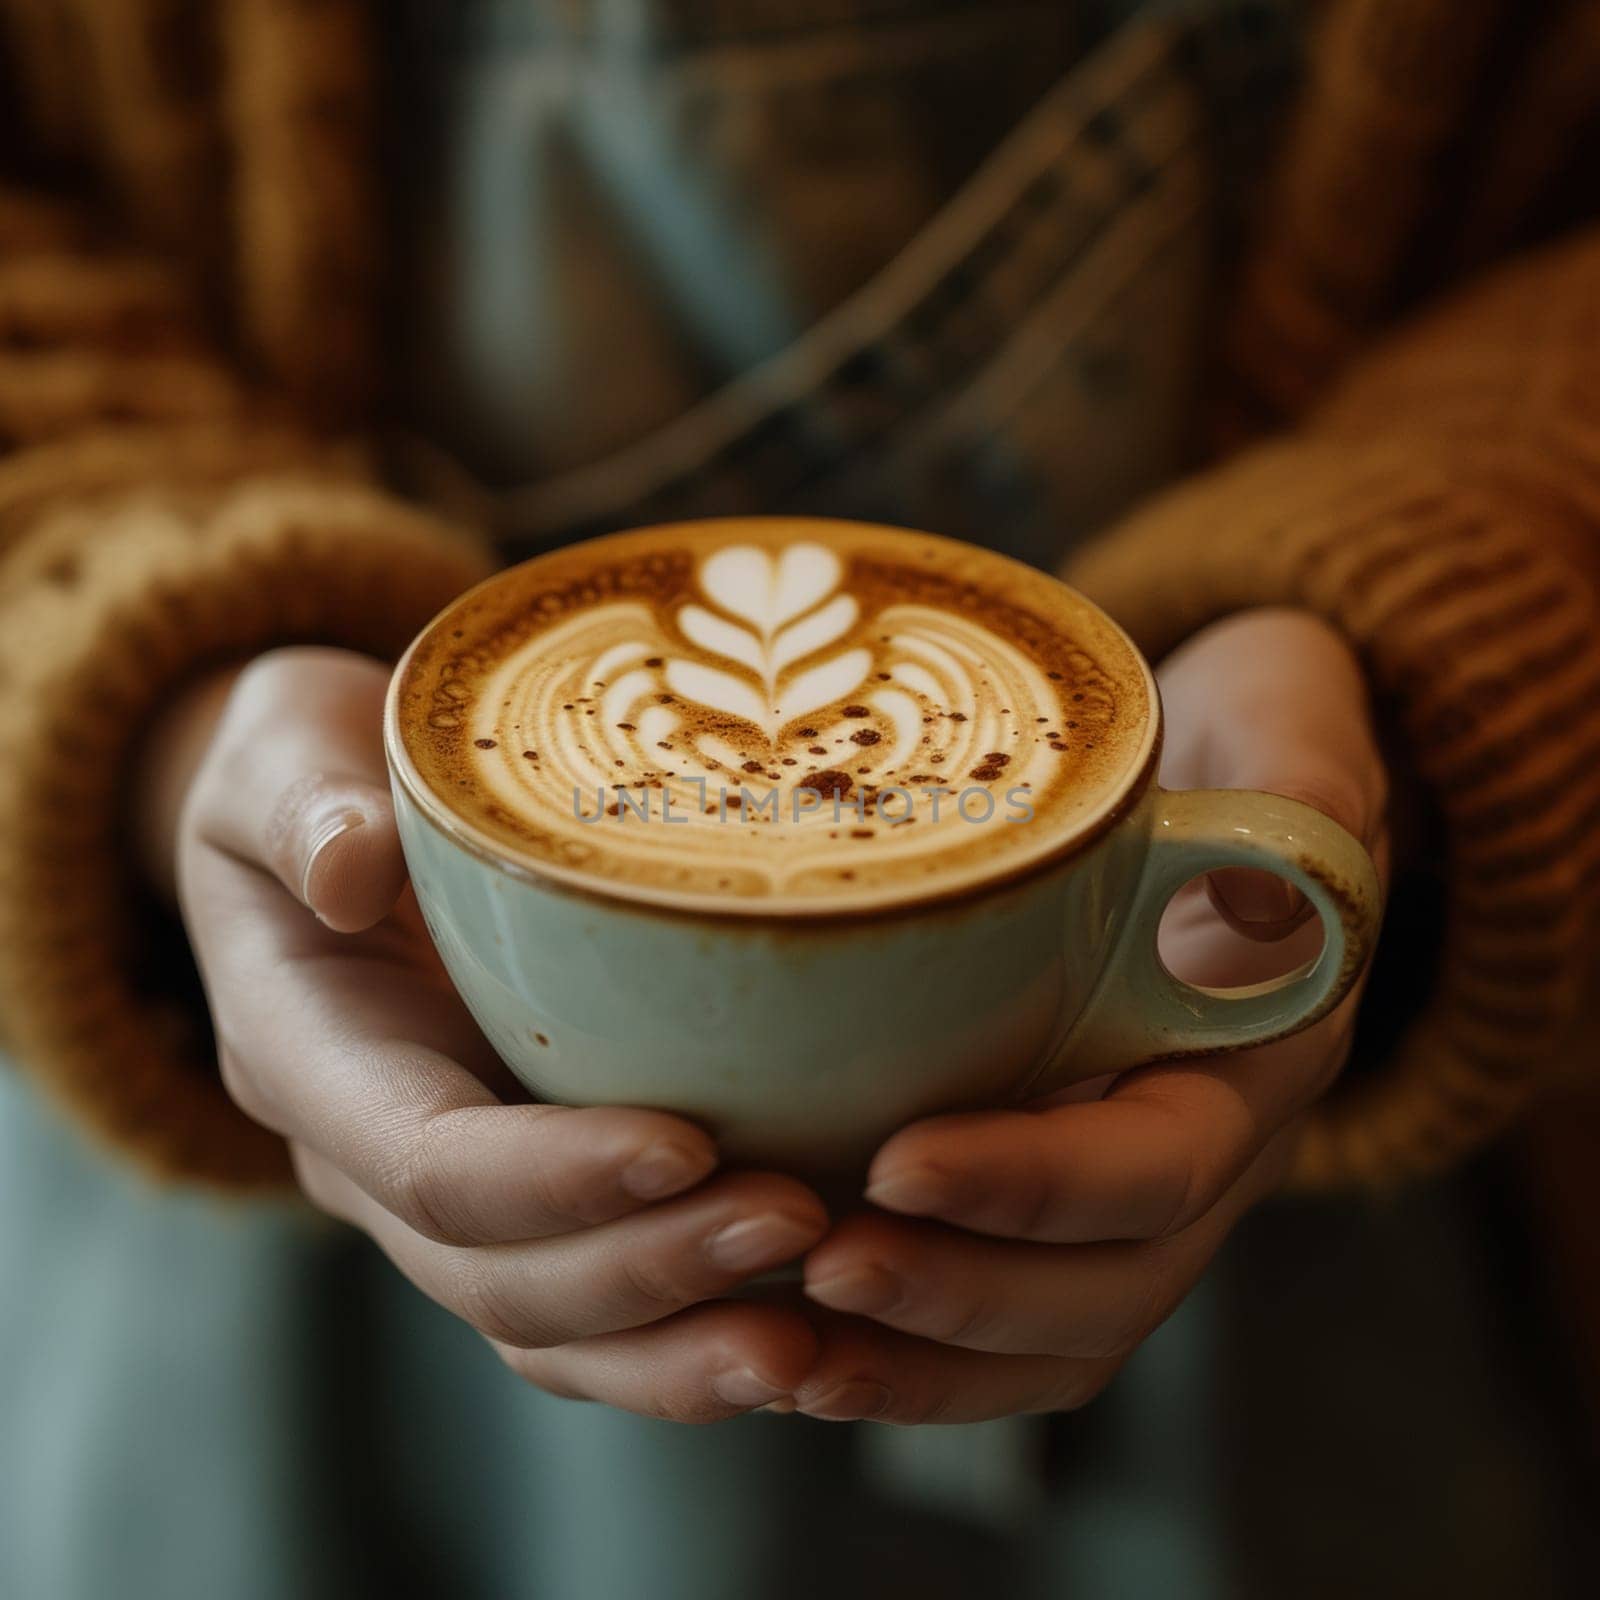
[[180, 354]]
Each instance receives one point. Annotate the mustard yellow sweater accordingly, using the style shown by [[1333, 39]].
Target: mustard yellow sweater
[[171, 496]]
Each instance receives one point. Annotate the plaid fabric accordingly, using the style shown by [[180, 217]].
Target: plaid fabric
[[1022, 367]]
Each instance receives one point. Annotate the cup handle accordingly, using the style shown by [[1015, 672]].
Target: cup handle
[[1140, 1013]]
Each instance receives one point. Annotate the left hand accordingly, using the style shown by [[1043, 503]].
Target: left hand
[[1018, 1257]]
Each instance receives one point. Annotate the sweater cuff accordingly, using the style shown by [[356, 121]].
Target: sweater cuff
[[108, 603], [1482, 648]]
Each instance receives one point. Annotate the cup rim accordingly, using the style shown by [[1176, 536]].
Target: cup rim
[[1120, 799]]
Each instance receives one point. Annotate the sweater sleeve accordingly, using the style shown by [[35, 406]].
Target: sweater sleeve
[[130, 560], [158, 515], [239, 139], [1443, 511]]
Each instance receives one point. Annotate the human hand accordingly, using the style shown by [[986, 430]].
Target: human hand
[[587, 1245], [1018, 1257]]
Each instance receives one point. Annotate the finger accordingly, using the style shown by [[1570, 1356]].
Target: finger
[[427, 1140], [361, 1058], [1273, 700], [488, 1173], [622, 1274], [295, 783], [702, 1365], [1260, 905], [1092, 1302], [1148, 1160], [864, 1371], [1203, 946]]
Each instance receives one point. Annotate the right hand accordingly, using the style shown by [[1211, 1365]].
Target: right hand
[[587, 1245]]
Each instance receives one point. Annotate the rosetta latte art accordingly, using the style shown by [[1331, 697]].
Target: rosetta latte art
[[683, 736], [772, 715]]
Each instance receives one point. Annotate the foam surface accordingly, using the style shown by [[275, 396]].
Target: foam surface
[[748, 711]]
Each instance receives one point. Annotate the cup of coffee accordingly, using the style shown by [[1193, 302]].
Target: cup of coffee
[[805, 829]]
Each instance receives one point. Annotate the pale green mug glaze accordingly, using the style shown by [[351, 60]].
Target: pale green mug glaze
[[802, 1042]]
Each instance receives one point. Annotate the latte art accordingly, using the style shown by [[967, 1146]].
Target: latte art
[[773, 714], [790, 704]]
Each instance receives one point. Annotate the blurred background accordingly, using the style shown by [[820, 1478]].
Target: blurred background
[[563, 266]]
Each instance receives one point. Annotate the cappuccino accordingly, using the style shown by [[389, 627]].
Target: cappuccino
[[773, 715]]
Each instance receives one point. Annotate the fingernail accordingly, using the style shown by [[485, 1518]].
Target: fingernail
[[919, 1191], [1255, 896], [782, 1408], [331, 828], [747, 1389], [867, 1291], [664, 1169], [758, 1242], [849, 1402]]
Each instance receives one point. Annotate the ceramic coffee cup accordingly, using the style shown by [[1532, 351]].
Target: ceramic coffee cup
[[802, 1037]]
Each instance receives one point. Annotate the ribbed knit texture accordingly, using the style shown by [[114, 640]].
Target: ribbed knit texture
[[299, 118], [1441, 511], [1391, 84], [105, 608], [143, 85], [91, 335], [239, 139], [158, 517]]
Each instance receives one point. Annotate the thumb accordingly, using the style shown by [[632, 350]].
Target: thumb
[[294, 783], [1261, 905]]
